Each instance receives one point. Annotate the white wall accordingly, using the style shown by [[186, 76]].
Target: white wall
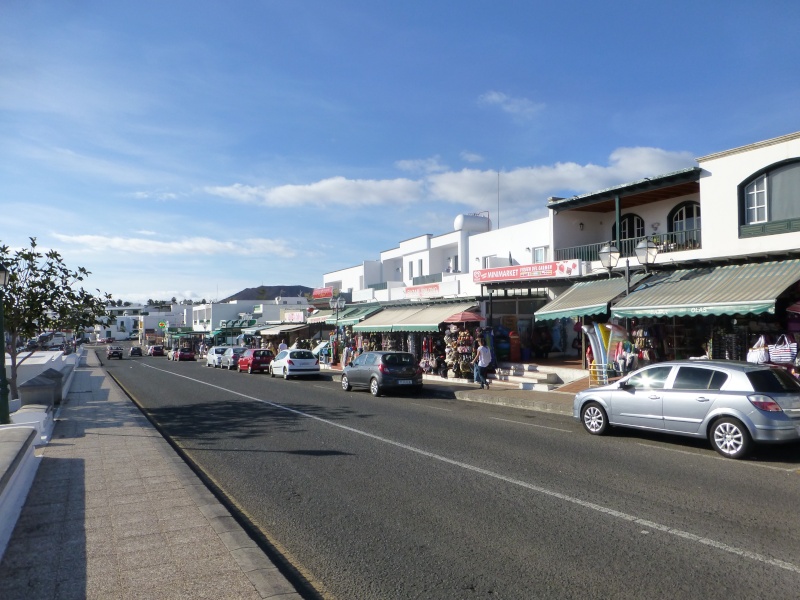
[[724, 172]]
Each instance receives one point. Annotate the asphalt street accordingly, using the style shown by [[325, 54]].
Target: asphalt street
[[430, 497]]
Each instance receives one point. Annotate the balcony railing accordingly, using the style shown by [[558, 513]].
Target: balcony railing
[[675, 241], [423, 279]]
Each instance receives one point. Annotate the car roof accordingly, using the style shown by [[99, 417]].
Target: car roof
[[734, 365]]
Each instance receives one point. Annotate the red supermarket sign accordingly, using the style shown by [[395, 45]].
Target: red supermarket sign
[[561, 268], [423, 291], [326, 292]]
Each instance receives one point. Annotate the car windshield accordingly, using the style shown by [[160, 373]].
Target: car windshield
[[773, 381]]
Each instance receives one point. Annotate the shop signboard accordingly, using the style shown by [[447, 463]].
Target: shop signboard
[[295, 316], [432, 290], [546, 270], [325, 292]]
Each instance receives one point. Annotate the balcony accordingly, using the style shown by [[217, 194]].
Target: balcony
[[675, 241], [423, 279]]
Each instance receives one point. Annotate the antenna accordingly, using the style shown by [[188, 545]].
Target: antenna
[[498, 199]]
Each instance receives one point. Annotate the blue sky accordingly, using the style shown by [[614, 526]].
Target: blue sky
[[192, 149]]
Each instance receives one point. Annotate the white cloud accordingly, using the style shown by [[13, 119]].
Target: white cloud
[[525, 188], [422, 165], [521, 108], [192, 246], [471, 157], [336, 190]]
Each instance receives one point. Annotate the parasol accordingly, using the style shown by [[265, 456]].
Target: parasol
[[464, 317]]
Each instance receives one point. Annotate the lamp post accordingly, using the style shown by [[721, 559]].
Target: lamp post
[[5, 415], [646, 252], [336, 304]]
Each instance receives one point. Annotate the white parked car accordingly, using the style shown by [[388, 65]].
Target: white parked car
[[230, 358], [214, 356], [294, 362]]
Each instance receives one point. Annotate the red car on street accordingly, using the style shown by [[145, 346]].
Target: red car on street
[[183, 354], [255, 360]]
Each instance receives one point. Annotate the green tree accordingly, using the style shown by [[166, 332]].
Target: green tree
[[42, 293]]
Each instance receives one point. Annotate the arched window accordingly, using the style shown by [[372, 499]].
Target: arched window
[[772, 194], [630, 226], [684, 224]]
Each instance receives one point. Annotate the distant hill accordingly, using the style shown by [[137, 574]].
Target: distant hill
[[270, 292]]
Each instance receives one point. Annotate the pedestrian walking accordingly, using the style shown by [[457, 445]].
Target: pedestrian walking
[[483, 358], [282, 346]]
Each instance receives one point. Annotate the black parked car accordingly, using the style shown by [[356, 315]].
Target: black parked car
[[380, 371], [135, 351], [114, 352]]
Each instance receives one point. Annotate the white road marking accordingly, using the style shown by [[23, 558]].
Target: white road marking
[[652, 525], [431, 407], [530, 424]]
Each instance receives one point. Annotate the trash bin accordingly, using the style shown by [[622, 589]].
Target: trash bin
[[38, 390]]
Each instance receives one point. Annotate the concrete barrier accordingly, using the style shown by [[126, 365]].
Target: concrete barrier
[[17, 469]]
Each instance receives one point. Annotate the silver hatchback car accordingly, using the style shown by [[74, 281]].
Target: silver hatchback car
[[731, 403]]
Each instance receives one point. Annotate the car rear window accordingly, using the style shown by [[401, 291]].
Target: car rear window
[[398, 359], [301, 354], [773, 381], [262, 353]]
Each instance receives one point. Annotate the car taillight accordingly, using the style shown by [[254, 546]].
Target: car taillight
[[289, 362], [316, 362], [382, 368], [765, 403], [419, 370]]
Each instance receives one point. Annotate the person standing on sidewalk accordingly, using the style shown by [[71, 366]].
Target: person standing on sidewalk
[[483, 358]]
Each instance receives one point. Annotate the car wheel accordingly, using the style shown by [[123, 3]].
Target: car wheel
[[346, 384], [271, 372], [250, 369], [730, 438], [374, 387], [285, 372], [238, 368], [594, 418]]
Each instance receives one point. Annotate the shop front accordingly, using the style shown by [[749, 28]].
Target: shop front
[[716, 311]]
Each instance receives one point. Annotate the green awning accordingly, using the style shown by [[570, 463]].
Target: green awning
[[586, 298], [353, 314], [428, 319], [385, 320], [752, 288]]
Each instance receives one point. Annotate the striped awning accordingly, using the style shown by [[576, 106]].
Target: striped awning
[[752, 288], [320, 317], [268, 331], [353, 314], [385, 320], [428, 319], [586, 298]]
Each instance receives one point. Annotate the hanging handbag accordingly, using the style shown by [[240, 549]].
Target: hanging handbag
[[783, 351], [759, 353]]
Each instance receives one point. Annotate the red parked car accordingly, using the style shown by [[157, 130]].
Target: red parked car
[[255, 360], [183, 354]]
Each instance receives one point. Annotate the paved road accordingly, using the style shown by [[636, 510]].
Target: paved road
[[434, 498]]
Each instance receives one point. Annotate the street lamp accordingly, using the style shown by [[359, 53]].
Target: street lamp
[[336, 304], [5, 415], [646, 252]]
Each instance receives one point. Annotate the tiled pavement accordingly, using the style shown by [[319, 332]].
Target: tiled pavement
[[114, 513]]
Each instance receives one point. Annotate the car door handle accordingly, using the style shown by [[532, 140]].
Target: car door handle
[[702, 399], [654, 397]]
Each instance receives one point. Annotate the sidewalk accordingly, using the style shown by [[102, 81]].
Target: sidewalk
[[114, 512]]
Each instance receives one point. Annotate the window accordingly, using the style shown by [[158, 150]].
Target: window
[[419, 267], [756, 201], [410, 269], [772, 194], [684, 223], [696, 378], [630, 225], [650, 379], [455, 263], [540, 254]]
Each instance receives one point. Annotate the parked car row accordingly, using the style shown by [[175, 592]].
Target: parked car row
[[287, 363]]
